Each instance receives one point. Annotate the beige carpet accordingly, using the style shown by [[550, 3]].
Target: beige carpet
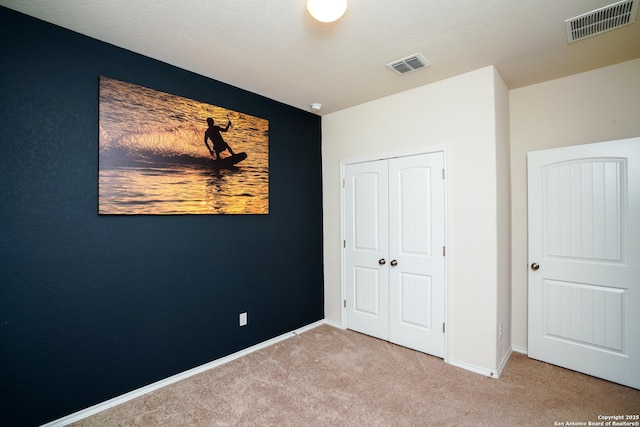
[[331, 377]]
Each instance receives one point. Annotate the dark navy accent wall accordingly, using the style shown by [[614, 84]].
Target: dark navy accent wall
[[92, 307]]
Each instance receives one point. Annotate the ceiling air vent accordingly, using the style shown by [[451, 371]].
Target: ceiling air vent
[[601, 20], [409, 64]]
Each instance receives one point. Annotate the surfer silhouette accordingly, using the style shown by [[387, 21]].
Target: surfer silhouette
[[217, 143]]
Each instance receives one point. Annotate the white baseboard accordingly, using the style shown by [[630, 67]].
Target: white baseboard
[[483, 371], [85, 413], [522, 350], [334, 324], [505, 359], [472, 368]]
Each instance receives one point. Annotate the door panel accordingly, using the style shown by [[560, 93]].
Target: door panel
[[366, 231], [583, 216], [416, 238], [415, 301], [584, 232], [584, 314], [366, 295]]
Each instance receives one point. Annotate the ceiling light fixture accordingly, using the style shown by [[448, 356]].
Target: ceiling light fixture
[[327, 10]]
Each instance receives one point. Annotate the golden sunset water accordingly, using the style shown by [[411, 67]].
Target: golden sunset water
[[153, 159]]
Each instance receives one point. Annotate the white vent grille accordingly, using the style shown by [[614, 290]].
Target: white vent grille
[[601, 20], [409, 64]]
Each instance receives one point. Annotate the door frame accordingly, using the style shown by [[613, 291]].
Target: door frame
[[388, 156]]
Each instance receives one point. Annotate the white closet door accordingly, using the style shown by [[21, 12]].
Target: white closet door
[[367, 248], [416, 237], [394, 262], [584, 256]]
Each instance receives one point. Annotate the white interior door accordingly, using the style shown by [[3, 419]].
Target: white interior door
[[394, 261], [416, 239], [367, 243], [584, 257]]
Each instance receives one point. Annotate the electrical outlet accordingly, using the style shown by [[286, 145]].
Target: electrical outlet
[[243, 319], [500, 332]]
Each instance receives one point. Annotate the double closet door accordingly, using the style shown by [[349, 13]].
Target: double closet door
[[394, 250]]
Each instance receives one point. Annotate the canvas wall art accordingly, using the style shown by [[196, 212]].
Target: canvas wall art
[[162, 154]]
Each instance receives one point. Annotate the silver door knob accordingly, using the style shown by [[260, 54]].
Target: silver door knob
[[382, 261], [394, 263], [535, 266]]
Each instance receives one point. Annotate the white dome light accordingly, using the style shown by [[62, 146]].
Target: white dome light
[[327, 10]]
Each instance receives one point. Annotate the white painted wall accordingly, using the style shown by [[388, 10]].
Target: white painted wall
[[466, 115], [599, 105], [458, 114], [503, 191]]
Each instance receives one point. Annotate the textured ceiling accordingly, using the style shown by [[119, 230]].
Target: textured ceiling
[[274, 48]]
